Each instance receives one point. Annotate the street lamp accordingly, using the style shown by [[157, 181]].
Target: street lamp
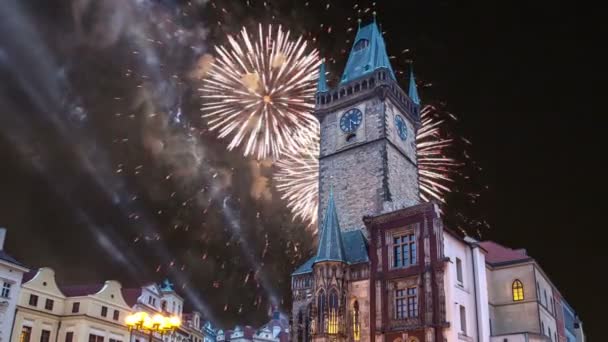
[[142, 321]]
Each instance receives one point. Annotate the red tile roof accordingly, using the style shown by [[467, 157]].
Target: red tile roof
[[131, 295], [497, 253], [81, 290]]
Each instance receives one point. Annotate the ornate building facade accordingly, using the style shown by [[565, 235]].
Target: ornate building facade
[[386, 268]]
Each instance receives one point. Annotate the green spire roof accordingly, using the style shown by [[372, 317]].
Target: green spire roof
[[331, 247], [413, 90], [368, 54], [322, 84]]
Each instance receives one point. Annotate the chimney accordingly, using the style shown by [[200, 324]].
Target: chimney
[[2, 236]]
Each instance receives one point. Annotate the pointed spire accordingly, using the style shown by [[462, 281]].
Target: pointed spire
[[331, 247], [367, 54], [413, 90], [322, 83]]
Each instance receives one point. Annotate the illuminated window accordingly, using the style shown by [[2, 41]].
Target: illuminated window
[[321, 311], [356, 322], [333, 312], [26, 333], [518, 290], [404, 250]]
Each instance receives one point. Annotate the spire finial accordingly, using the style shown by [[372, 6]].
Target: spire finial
[[374, 13], [359, 22], [322, 83], [413, 90]]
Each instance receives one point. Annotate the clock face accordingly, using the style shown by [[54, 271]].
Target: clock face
[[401, 127], [351, 120]]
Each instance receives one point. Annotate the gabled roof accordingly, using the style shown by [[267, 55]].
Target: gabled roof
[[498, 254], [330, 245], [367, 54], [81, 290], [4, 256]]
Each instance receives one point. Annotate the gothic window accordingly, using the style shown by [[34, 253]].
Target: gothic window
[[404, 250], [321, 311], [518, 290], [356, 322], [361, 44], [333, 312]]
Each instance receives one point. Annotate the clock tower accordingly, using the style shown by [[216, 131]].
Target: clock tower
[[368, 135]]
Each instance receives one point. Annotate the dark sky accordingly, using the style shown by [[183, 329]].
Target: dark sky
[[85, 191]]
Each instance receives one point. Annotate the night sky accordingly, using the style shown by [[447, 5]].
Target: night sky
[[96, 188]]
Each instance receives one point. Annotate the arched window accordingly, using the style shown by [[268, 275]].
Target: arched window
[[518, 290], [356, 322], [321, 311], [333, 312]]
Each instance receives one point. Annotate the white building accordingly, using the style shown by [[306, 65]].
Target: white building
[[11, 273]]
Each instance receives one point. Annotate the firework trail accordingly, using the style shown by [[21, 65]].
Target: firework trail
[[297, 173], [260, 92]]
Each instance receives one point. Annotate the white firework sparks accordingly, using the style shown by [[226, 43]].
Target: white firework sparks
[[298, 172], [260, 92]]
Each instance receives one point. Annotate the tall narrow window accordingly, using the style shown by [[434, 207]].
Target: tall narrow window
[[104, 311], [69, 336], [75, 307], [333, 312], [6, 290], [400, 304], [356, 322], [459, 270], [463, 320], [48, 304], [33, 300], [412, 302], [321, 311], [404, 250], [26, 334], [116, 315], [45, 336], [518, 290], [300, 331]]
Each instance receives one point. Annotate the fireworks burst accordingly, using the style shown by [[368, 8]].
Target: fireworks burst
[[298, 172], [260, 92], [297, 180], [435, 167]]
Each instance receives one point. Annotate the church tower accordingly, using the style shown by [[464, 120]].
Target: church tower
[[368, 135]]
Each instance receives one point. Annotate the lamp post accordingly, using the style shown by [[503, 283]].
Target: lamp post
[[143, 322]]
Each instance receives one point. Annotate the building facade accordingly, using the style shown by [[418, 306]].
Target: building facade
[[386, 268], [11, 274]]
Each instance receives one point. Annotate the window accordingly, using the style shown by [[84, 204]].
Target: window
[[400, 304], [26, 333], [69, 336], [113, 340], [361, 44], [45, 336], [104, 311], [48, 304], [95, 338], [321, 311], [463, 320], [300, 331], [412, 302], [356, 322], [333, 312], [518, 290], [116, 315], [6, 290], [549, 334], [33, 300], [546, 302], [404, 250], [459, 270], [542, 328], [75, 307]]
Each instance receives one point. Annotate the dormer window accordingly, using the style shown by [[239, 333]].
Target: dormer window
[[360, 45]]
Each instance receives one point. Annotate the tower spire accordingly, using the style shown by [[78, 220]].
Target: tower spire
[[331, 247], [322, 83], [413, 90]]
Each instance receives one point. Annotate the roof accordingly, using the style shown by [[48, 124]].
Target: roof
[[322, 83], [331, 247], [4, 256], [81, 290], [355, 248], [29, 276], [367, 54], [413, 90], [131, 295], [498, 254]]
